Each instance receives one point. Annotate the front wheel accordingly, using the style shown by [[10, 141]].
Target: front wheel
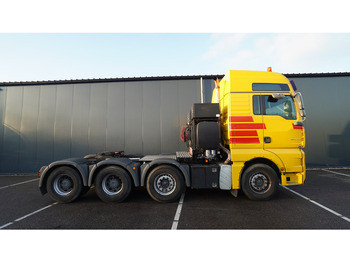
[[259, 182], [113, 184], [165, 184], [64, 184]]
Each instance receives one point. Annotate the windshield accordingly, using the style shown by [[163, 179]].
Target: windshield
[[267, 105], [282, 107]]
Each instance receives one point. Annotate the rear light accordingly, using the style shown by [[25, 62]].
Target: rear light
[[38, 174], [183, 134], [298, 125]]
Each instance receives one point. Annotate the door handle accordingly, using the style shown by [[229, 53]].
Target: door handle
[[267, 139]]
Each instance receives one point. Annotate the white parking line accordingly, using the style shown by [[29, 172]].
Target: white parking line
[[36, 179], [30, 214], [318, 204], [178, 212], [336, 172]]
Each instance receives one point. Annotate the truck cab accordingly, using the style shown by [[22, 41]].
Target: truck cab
[[262, 124]]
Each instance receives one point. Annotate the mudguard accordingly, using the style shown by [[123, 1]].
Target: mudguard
[[131, 167], [184, 168], [80, 164]]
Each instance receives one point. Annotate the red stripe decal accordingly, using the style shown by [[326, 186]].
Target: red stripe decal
[[244, 133], [243, 140], [241, 119], [248, 126]]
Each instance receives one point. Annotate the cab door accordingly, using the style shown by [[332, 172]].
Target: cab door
[[280, 121], [283, 134]]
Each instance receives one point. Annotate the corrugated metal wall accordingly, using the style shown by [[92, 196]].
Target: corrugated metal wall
[[44, 123], [328, 119]]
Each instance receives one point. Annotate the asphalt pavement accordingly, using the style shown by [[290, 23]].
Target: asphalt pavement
[[321, 203]]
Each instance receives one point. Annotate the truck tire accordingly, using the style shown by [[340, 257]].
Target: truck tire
[[259, 182], [113, 184], [64, 184], [165, 184]]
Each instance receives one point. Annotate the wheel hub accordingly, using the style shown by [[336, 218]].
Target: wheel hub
[[63, 185], [165, 184], [259, 183], [112, 185], [66, 184]]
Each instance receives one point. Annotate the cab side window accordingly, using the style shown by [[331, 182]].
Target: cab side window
[[267, 105], [256, 105]]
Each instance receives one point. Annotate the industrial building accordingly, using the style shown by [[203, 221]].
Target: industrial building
[[50, 120]]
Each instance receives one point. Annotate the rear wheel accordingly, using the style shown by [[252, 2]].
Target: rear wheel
[[165, 184], [113, 184], [259, 182], [64, 184]]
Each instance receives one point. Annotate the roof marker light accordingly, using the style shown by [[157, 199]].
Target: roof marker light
[[269, 69]]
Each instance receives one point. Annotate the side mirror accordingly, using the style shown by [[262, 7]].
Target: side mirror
[[300, 102]]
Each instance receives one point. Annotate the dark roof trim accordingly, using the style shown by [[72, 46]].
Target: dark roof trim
[[155, 78], [317, 75], [108, 80]]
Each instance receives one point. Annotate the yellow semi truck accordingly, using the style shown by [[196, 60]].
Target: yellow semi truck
[[249, 138]]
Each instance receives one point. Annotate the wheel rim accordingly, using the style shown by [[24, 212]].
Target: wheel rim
[[259, 183], [112, 185], [164, 184], [63, 185]]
